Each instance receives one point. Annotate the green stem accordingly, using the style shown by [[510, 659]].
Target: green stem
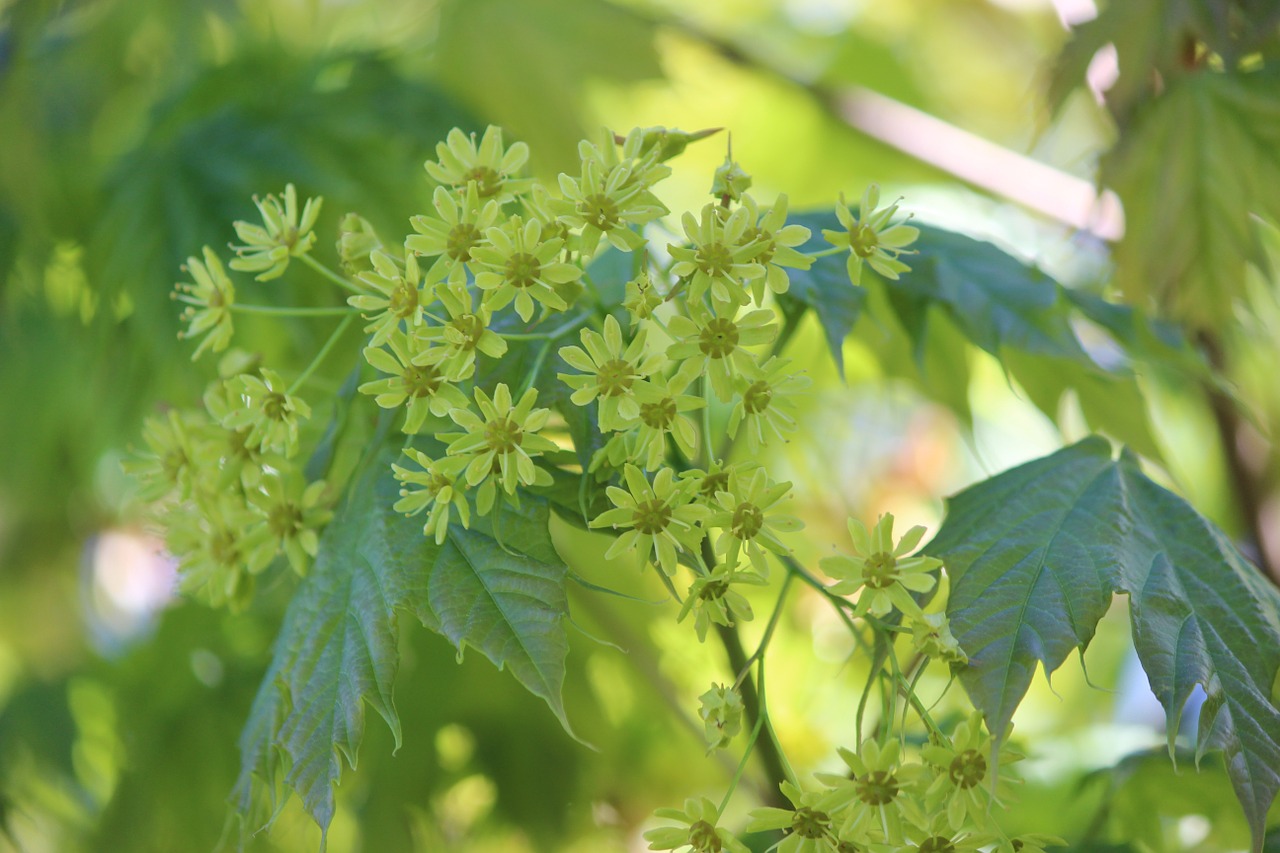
[[774, 618], [554, 335], [341, 281], [706, 421], [320, 356], [834, 250], [536, 368], [742, 765], [287, 311]]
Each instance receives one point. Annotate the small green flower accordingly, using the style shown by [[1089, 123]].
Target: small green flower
[[640, 298], [501, 442], [884, 574], [808, 826], [357, 241], [870, 238], [635, 150], [169, 466], [455, 230], [659, 517], [717, 344], [730, 181], [209, 303], [935, 835], [282, 235], [219, 548], [465, 333], [293, 515], [1030, 843], [663, 404], [519, 265], [766, 405], [706, 484], [721, 257], [778, 241], [744, 514], [269, 414], [610, 370], [228, 451], [932, 637], [441, 491], [489, 165], [606, 202], [721, 711], [398, 297], [712, 599], [697, 832], [963, 784], [413, 375], [876, 792]]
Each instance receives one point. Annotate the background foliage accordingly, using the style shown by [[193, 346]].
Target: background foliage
[[136, 131]]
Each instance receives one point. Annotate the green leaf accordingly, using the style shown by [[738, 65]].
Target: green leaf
[[1194, 169], [1035, 555], [824, 287], [337, 649]]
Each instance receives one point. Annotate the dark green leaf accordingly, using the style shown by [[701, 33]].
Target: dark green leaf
[[1035, 555]]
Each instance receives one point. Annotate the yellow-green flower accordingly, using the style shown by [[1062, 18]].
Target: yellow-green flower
[[697, 832], [610, 370], [517, 264], [501, 443], [721, 257], [293, 515], [712, 599], [808, 826], [663, 404], [219, 549], [398, 297], [489, 165], [746, 517], [884, 573], [209, 302], [778, 241], [936, 834], [659, 518], [869, 236], [1030, 843], [414, 378], [730, 181], [357, 241], [282, 235], [442, 491], [640, 298], [963, 784], [607, 202], [766, 406], [170, 464], [876, 791], [721, 711], [453, 232], [716, 344], [464, 334], [269, 414], [932, 637]]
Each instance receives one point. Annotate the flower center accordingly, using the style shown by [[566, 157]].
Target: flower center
[[714, 259], [864, 241], [284, 520], [713, 483], [810, 823], [713, 591], [217, 299], [462, 238], [224, 548], [599, 210], [488, 182], [880, 570], [438, 483], [404, 299], [503, 435], [757, 397], [659, 415], [968, 768], [877, 788], [522, 269], [719, 338], [651, 517], [422, 381], [471, 328], [937, 844], [765, 239], [703, 838], [615, 377], [275, 406], [747, 521]]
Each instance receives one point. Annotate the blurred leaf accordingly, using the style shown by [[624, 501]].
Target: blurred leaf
[[1054, 539], [523, 63], [338, 647], [1197, 165]]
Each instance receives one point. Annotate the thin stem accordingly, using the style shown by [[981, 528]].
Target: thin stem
[[341, 281], [768, 630], [320, 356], [834, 250], [536, 368], [288, 311], [554, 335], [742, 765], [706, 420]]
